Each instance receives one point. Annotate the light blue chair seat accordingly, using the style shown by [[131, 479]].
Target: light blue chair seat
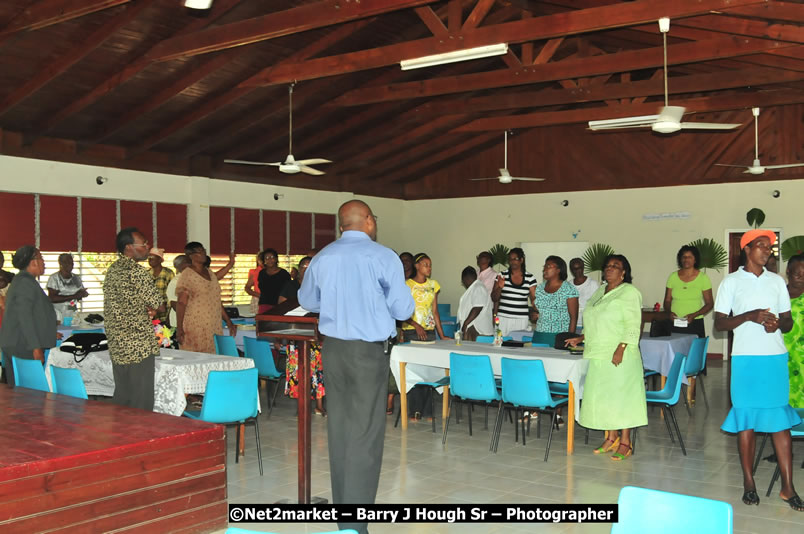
[[231, 397], [669, 395], [225, 346], [260, 351], [68, 381], [646, 510], [29, 374]]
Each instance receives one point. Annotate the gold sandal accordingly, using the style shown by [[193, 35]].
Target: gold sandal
[[604, 449], [618, 456]]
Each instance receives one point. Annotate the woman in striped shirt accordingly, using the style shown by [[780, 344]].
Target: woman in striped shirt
[[511, 293]]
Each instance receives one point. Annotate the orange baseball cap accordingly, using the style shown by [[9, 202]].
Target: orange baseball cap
[[750, 235]]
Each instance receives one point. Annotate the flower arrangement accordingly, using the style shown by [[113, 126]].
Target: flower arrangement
[[163, 334], [72, 305]]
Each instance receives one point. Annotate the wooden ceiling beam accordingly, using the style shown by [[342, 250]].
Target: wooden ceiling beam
[[546, 27], [454, 16], [61, 64], [561, 70], [117, 79], [697, 105], [49, 12], [793, 33], [788, 11], [431, 20], [295, 20], [477, 15]]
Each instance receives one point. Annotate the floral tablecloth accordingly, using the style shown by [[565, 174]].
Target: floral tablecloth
[[177, 372]]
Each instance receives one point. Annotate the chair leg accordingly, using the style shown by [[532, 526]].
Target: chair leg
[[667, 424], [550, 433], [432, 408], [586, 437], [776, 474], [259, 448], [633, 441], [497, 424], [446, 423], [700, 381], [516, 426], [530, 418], [538, 428], [678, 431], [759, 454], [273, 398], [237, 443], [510, 415], [684, 390], [469, 410], [523, 428], [486, 421], [398, 415]]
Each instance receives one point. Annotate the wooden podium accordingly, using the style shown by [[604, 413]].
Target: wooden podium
[[278, 326]]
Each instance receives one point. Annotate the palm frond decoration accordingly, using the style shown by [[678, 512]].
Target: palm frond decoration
[[755, 217], [713, 255], [595, 255], [792, 246], [499, 255]]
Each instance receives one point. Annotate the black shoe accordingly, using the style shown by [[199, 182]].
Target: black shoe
[[771, 458], [750, 497]]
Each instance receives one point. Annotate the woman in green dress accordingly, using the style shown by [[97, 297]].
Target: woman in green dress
[[688, 295], [614, 391], [794, 339]]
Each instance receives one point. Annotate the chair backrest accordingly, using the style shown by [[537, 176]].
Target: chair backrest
[[670, 513], [449, 329], [696, 359], [225, 346], [485, 339], [29, 374], [672, 388], [544, 337], [68, 381], [471, 377], [524, 383], [259, 350], [443, 309], [230, 396], [90, 331]]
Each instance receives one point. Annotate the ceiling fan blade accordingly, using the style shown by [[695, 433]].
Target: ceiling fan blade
[[483, 179], [727, 165], [313, 161], [708, 126], [528, 179], [625, 122], [309, 170], [784, 166], [244, 162]]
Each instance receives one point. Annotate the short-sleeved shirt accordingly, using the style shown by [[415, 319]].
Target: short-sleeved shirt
[[64, 286], [554, 314], [162, 280], [271, 285], [487, 277], [742, 291], [476, 296], [585, 292], [687, 296], [514, 299], [423, 297], [128, 292]]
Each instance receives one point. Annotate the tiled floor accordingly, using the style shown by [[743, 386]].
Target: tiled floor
[[417, 469]]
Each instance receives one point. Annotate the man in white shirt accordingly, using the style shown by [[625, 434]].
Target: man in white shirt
[[586, 287], [64, 288], [475, 307]]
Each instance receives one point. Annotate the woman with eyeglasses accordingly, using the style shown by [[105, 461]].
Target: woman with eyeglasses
[[271, 279], [199, 309], [514, 288]]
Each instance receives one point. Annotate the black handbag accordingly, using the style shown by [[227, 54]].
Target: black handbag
[[562, 338], [661, 327], [82, 344]]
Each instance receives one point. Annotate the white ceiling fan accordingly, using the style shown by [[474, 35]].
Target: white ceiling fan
[[756, 167], [669, 118], [505, 177], [290, 165]]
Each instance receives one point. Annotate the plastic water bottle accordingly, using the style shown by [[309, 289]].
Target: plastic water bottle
[[457, 337]]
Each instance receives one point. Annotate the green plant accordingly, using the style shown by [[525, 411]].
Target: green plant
[[792, 246], [755, 217], [595, 255], [499, 254], [713, 255]]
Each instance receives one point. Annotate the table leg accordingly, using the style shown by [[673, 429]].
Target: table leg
[[571, 419], [403, 396], [691, 390], [663, 381], [241, 429], [445, 404]]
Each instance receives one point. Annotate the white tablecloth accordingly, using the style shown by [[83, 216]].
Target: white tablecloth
[[177, 372], [658, 352]]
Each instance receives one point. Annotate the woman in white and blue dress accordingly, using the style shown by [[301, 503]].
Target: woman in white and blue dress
[[760, 386]]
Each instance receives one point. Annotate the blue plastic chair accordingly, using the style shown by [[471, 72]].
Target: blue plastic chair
[[259, 350], [233, 530], [647, 510], [90, 331], [471, 379], [544, 338], [443, 310], [696, 361], [68, 381], [795, 432], [431, 395], [231, 397], [669, 395], [524, 385], [29, 374], [449, 330], [225, 346], [490, 339]]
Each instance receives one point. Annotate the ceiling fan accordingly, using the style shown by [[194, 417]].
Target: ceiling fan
[[290, 165], [505, 177], [756, 167], [669, 118]]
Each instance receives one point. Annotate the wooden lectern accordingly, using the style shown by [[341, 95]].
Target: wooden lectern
[[278, 326]]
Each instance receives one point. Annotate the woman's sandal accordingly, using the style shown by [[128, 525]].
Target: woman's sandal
[[604, 449], [795, 503], [618, 456], [750, 497]]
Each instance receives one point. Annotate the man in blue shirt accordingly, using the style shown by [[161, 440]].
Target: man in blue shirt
[[358, 288]]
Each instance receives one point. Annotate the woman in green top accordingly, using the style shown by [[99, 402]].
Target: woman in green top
[[614, 390], [689, 292], [794, 339]]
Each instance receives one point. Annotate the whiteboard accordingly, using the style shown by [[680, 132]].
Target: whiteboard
[[535, 253]]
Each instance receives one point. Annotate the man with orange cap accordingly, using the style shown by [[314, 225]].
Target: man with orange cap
[[760, 304]]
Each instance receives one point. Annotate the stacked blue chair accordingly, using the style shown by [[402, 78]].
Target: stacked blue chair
[[471, 380], [524, 385], [68, 381], [449, 330], [696, 361], [490, 339], [29, 374], [669, 395], [225, 346], [646, 510], [231, 397], [259, 350], [443, 310]]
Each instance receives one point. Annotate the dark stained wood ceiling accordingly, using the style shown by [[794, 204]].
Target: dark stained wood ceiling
[[152, 85]]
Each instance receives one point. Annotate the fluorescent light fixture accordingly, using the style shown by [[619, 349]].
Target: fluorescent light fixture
[[198, 4], [455, 56]]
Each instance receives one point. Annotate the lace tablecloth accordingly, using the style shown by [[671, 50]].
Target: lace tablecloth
[[177, 372]]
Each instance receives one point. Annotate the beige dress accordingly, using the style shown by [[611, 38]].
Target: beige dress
[[202, 316]]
